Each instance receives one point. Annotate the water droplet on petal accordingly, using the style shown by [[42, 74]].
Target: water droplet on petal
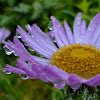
[[15, 54], [25, 44], [24, 77], [8, 72], [31, 49], [31, 35], [50, 25], [8, 52], [54, 41], [18, 35]]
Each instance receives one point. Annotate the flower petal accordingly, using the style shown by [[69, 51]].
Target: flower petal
[[41, 37], [14, 70], [25, 67], [97, 42], [59, 84], [95, 35], [77, 27], [83, 31], [69, 33], [74, 81], [34, 44], [50, 35], [91, 28], [41, 60], [18, 49], [60, 35], [4, 33], [95, 81]]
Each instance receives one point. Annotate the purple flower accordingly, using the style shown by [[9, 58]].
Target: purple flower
[[4, 34], [75, 61]]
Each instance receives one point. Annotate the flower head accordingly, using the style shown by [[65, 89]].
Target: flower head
[[75, 61], [4, 34]]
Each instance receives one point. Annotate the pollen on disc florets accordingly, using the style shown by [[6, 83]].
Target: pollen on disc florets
[[82, 60]]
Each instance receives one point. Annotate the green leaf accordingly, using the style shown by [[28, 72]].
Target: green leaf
[[84, 5], [6, 19], [22, 8]]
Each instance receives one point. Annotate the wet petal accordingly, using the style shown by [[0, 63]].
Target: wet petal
[[25, 67], [14, 70], [4, 34], [69, 33], [83, 31], [91, 28], [74, 81], [77, 28], [33, 43], [50, 35], [41, 38], [59, 84], [60, 35], [95, 81], [18, 49], [95, 35]]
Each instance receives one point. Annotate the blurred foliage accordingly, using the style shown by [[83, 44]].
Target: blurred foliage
[[22, 12]]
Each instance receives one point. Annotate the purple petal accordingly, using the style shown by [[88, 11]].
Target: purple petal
[[14, 70], [59, 84], [25, 67], [95, 35], [60, 35], [91, 28], [69, 33], [4, 33], [41, 60], [50, 35], [41, 38], [37, 69], [77, 27], [97, 42], [74, 81], [52, 73], [18, 49], [83, 31], [95, 81], [33, 43]]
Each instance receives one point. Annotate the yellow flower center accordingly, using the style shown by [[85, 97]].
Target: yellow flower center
[[82, 60]]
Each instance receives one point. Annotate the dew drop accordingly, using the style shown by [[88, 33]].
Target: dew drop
[[50, 25], [31, 49], [15, 54], [7, 72], [54, 41], [24, 77], [25, 44], [18, 35], [8, 52], [31, 35]]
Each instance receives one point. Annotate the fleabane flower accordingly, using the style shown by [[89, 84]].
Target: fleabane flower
[[4, 33], [75, 59]]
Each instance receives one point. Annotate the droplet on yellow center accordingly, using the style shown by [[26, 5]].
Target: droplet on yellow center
[[79, 59]]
